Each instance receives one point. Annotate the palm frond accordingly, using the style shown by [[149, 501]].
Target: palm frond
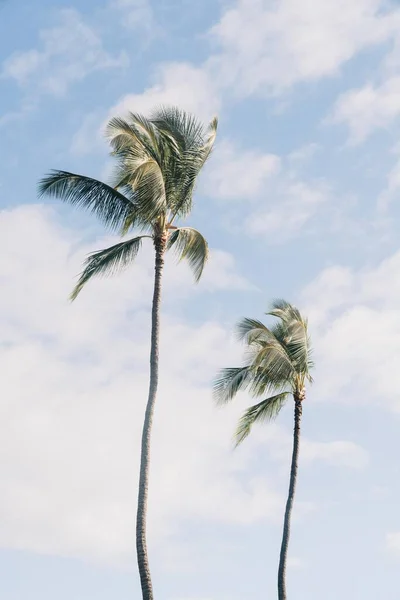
[[194, 144], [263, 411], [252, 331], [179, 125], [229, 382], [271, 366], [108, 261], [272, 370], [285, 311], [189, 244], [192, 163], [292, 333], [108, 204], [136, 134]]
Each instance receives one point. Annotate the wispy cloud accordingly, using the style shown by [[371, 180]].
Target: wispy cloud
[[67, 54]]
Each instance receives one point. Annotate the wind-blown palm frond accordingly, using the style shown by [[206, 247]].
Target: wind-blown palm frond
[[277, 358], [263, 411], [108, 204], [135, 135], [106, 262], [229, 382], [270, 363], [285, 311], [271, 371], [141, 162], [193, 163], [292, 333], [164, 153], [188, 243], [252, 331], [193, 144]]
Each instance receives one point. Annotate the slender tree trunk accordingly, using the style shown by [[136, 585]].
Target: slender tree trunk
[[298, 409], [141, 518]]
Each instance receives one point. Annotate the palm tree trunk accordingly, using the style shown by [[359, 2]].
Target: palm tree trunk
[[298, 409], [141, 518]]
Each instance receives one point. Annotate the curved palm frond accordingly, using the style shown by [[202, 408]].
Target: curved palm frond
[[284, 311], [292, 332], [253, 331], [229, 382], [180, 126], [263, 411], [277, 362], [106, 262], [173, 140], [269, 360], [136, 134], [272, 372], [105, 202], [189, 244], [193, 144], [141, 155]]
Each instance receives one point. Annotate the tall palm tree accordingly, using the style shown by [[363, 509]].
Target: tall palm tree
[[158, 161], [278, 364]]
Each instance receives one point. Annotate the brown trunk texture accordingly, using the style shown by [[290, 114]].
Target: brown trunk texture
[[141, 543], [298, 409]]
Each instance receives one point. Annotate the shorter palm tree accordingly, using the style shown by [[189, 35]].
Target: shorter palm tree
[[278, 364]]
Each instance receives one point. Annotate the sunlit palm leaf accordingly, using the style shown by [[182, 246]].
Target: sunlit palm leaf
[[189, 244], [263, 411], [108, 261], [108, 204], [292, 333], [136, 134], [194, 144]]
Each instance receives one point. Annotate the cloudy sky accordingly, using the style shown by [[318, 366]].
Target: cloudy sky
[[300, 201]]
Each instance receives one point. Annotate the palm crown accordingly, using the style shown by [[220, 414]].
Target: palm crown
[[158, 161], [278, 363]]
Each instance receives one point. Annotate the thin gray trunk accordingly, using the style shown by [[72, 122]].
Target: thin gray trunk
[[141, 518], [298, 409]]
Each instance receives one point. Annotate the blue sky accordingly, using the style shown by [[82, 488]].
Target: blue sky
[[299, 200]]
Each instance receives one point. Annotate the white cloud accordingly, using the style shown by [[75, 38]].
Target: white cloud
[[392, 184], [304, 154], [74, 380], [355, 320], [136, 14], [68, 53], [366, 109], [71, 436], [295, 562], [178, 84], [338, 453], [276, 202], [393, 543], [269, 46], [293, 204], [88, 138], [240, 174]]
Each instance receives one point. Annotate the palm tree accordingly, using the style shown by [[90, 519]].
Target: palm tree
[[278, 363], [158, 161]]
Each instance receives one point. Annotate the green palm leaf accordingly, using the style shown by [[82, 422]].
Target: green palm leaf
[[135, 135], [108, 204], [277, 358], [263, 411], [189, 244], [106, 262], [229, 382]]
